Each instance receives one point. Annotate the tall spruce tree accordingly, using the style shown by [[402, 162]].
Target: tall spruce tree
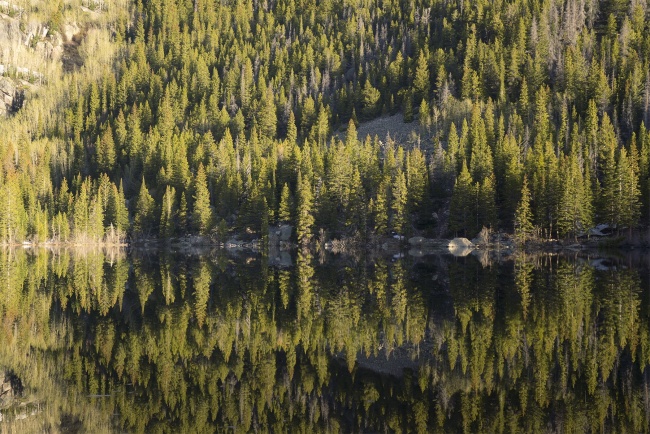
[[167, 227], [284, 211], [304, 217], [399, 217], [143, 219], [463, 206], [523, 215], [627, 193], [202, 214], [380, 209]]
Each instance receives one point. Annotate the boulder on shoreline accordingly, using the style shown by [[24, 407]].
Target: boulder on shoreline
[[460, 247]]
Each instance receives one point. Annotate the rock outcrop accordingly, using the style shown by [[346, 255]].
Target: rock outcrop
[[10, 388], [10, 96], [460, 247]]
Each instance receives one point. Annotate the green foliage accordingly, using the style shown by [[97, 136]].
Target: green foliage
[[251, 95], [144, 212], [284, 212], [398, 204], [168, 213], [523, 215], [628, 202], [304, 217], [380, 210], [106, 155], [13, 218], [117, 213], [370, 97], [202, 215], [463, 210], [422, 77]]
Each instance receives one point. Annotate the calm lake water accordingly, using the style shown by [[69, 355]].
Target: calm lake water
[[146, 342]]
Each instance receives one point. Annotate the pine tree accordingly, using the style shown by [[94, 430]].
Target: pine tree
[[408, 107], [462, 207], [264, 224], [487, 210], [64, 199], [292, 131], [267, 114], [183, 223], [304, 217], [356, 215], [510, 179], [524, 101], [424, 117], [591, 135], [399, 220], [95, 226], [421, 80], [523, 215], [370, 100], [481, 163], [135, 139], [81, 213], [144, 212], [570, 213], [116, 213], [416, 181], [284, 212], [627, 193], [202, 215], [167, 227], [608, 209], [39, 227], [322, 126], [238, 124], [121, 135], [351, 138], [106, 154], [380, 209], [60, 228], [13, 218]]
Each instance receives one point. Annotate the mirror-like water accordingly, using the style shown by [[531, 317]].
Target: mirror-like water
[[105, 342]]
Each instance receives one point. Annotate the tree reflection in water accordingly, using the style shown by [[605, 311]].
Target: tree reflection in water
[[104, 342]]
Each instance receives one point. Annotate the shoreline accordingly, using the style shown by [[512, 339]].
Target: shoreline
[[501, 244]]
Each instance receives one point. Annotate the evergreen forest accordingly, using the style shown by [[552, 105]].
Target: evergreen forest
[[205, 116]]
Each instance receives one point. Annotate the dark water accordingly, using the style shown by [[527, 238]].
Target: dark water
[[109, 342]]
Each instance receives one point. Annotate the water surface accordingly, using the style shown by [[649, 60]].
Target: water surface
[[146, 342]]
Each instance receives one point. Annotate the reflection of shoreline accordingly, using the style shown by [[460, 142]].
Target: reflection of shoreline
[[158, 335], [386, 248]]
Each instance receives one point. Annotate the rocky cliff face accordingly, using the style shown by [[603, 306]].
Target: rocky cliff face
[[7, 95], [28, 49], [11, 97], [10, 388]]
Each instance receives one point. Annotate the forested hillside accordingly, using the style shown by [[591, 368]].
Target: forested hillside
[[218, 115]]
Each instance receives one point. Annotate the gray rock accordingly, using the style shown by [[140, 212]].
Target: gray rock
[[460, 247], [278, 234], [460, 242], [11, 97], [7, 95]]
